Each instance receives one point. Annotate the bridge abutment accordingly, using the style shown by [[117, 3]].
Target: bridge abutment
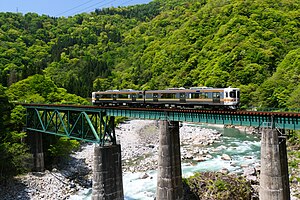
[[169, 176], [274, 183], [107, 173]]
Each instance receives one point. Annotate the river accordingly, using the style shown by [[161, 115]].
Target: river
[[243, 148]]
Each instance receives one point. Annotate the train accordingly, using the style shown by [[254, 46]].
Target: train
[[194, 97]]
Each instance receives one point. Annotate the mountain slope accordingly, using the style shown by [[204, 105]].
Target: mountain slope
[[238, 43]]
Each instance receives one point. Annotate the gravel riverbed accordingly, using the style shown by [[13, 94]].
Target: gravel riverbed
[[139, 143]]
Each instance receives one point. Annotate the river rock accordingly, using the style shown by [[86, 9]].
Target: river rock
[[244, 165], [249, 171], [200, 158], [54, 170], [219, 148], [144, 176], [224, 171], [253, 179], [209, 156], [225, 157], [188, 156]]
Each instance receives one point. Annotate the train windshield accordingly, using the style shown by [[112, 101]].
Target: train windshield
[[234, 94]]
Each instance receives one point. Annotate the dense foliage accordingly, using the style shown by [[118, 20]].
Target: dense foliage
[[238, 43], [41, 89], [14, 156], [214, 185]]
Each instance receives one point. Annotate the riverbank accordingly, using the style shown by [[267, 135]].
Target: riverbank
[[200, 146]]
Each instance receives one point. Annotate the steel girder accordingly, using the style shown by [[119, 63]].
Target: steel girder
[[87, 126], [289, 121], [255, 119]]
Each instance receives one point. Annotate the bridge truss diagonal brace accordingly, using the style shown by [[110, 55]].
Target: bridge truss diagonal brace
[[87, 126]]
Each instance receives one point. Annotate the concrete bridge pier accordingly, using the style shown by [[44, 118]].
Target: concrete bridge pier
[[107, 173], [274, 183], [169, 177], [284, 167], [36, 143]]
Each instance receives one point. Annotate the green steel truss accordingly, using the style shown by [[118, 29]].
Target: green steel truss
[[94, 127], [289, 121], [96, 124]]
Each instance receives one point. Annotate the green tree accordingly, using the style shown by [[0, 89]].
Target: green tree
[[62, 148], [14, 155], [101, 84]]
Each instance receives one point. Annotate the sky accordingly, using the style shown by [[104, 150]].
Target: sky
[[58, 8]]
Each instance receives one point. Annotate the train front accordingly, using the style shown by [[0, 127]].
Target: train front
[[232, 97]]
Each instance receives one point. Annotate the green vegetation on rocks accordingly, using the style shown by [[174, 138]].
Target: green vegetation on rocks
[[215, 185]]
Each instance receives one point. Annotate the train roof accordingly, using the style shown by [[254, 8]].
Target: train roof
[[170, 90], [193, 89], [129, 91]]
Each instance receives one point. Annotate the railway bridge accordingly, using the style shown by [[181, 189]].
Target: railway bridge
[[96, 124]]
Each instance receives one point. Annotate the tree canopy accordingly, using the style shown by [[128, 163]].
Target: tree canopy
[[14, 155], [238, 43]]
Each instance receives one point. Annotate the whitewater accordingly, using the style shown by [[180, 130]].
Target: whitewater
[[242, 148]]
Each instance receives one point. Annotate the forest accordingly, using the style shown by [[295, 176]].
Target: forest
[[250, 44]]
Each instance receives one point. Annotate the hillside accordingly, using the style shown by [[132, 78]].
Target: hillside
[[239, 43], [250, 44]]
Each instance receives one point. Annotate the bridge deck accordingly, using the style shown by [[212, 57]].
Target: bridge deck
[[283, 120]]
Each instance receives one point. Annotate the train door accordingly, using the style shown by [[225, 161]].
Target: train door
[[114, 97], [182, 97], [155, 97], [216, 97], [133, 97]]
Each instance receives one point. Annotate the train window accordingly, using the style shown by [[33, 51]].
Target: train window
[[203, 95], [140, 96], [106, 96], [232, 94], [123, 96], [168, 96], [216, 94], [133, 96], [226, 94], [155, 95], [195, 96]]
